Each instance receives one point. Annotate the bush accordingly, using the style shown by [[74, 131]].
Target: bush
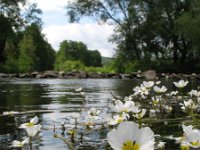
[[71, 65]]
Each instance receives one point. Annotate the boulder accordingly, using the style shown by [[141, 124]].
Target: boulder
[[150, 74], [50, 74]]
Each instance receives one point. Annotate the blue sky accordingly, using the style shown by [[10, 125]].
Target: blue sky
[[57, 28]]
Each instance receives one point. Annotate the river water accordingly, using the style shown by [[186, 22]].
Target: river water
[[55, 101], [57, 95]]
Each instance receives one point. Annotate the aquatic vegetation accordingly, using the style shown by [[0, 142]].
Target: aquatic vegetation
[[128, 136], [16, 143], [131, 123], [32, 129]]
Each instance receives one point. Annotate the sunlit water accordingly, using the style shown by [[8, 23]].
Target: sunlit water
[[59, 96]]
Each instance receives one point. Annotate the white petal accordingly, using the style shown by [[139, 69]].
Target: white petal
[[146, 139], [115, 140], [34, 120]]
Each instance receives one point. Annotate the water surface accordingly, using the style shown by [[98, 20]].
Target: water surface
[[57, 95]]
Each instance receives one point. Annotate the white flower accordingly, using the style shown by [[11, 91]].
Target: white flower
[[78, 89], [32, 122], [16, 143], [33, 130], [141, 114], [168, 108], [142, 90], [160, 90], [173, 93], [31, 127], [181, 84], [128, 136], [75, 116], [94, 112], [194, 93], [155, 101], [118, 119], [189, 104], [192, 136], [82, 93], [161, 144], [128, 106], [158, 82], [148, 84]]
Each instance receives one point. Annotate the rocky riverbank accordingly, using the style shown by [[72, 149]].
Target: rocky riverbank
[[148, 75]]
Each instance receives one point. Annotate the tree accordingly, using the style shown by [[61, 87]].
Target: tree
[[13, 19], [94, 58], [11, 55], [35, 52], [122, 13], [5, 30], [153, 30], [73, 51]]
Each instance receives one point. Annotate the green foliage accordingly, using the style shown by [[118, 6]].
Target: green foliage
[[35, 52], [147, 31], [11, 55], [11, 65], [93, 59], [72, 65], [13, 20], [76, 51]]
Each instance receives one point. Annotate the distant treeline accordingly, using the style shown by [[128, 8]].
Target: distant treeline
[[23, 48], [158, 34], [29, 51]]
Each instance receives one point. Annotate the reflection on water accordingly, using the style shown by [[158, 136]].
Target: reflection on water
[[52, 94], [58, 95]]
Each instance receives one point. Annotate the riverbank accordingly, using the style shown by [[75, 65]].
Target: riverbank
[[148, 75]]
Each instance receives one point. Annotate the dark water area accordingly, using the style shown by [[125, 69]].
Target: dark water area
[[58, 95]]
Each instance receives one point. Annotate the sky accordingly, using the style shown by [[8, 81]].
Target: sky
[[57, 28]]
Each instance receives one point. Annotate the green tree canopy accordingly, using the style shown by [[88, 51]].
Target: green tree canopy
[[35, 52], [76, 51], [161, 30]]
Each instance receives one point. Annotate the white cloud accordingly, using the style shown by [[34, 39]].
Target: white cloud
[[93, 35], [56, 28]]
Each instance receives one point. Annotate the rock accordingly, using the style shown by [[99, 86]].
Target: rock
[[40, 76], [95, 75], [34, 74], [150, 74], [3, 75], [80, 74], [125, 76], [14, 75], [24, 75], [50, 74], [62, 73]]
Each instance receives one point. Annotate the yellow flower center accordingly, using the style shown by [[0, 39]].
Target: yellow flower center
[[125, 110], [195, 143], [29, 124], [185, 147], [130, 145], [155, 102], [119, 120]]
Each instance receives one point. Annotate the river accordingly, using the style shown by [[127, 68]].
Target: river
[[57, 95], [55, 101]]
